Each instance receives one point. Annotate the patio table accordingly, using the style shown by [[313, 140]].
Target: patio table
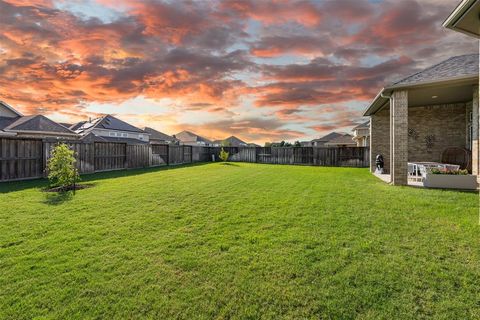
[[423, 167]]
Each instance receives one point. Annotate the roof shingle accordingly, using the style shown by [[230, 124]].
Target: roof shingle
[[455, 67]]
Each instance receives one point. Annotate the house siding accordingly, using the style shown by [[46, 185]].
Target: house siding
[[4, 112], [131, 135]]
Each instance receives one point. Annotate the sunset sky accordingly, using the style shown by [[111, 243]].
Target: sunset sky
[[263, 71]]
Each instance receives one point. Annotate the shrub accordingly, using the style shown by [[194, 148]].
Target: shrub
[[223, 155], [61, 167]]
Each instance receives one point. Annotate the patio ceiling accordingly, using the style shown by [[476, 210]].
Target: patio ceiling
[[429, 94], [440, 94]]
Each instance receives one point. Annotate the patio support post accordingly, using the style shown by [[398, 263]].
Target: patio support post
[[399, 137], [475, 133]]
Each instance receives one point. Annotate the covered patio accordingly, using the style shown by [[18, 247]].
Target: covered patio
[[429, 117]]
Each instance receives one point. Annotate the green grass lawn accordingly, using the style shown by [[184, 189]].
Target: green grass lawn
[[239, 241]]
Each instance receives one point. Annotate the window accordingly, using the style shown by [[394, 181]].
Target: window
[[124, 135], [140, 136], [112, 134]]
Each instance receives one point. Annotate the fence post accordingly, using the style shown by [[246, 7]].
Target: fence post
[[125, 161], [168, 154], [45, 156]]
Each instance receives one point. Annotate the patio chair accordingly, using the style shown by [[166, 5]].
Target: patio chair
[[459, 156], [413, 173]]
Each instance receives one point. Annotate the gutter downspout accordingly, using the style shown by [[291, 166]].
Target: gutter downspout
[[385, 96]]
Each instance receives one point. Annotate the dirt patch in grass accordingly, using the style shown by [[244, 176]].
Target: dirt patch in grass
[[69, 188]]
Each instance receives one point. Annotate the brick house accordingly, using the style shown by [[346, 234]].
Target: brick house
[[344, 140], [15, 124], [418, 117], [415, 118], [110, 129], [192, 139], [157, 137], [361, 134], [231, 141]]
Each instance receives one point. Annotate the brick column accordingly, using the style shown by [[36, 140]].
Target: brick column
[[475, 136], [399, 137]]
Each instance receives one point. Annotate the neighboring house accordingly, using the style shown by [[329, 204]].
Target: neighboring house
[[320, 142], [345, 140], [253, 145], [231, 141], [418, 117], [157, 137], [361, 134], [192, 139], [110, 129], [13, 123], [306, 143]]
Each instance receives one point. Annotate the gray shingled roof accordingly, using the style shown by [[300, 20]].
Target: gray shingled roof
[[157, 135], [328, 137], [108, 122], [231, 141], [6, 121], [340, 140], [455, 67], [187, 136], [366, 124], [32, 123]]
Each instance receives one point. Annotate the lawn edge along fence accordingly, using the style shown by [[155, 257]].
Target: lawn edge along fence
[[26, 158]]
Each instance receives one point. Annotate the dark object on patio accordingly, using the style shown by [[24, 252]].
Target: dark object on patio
[[459, 156], [379, 163]]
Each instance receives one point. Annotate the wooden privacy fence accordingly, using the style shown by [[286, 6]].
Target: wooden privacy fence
[[335, 157], [22, 158]]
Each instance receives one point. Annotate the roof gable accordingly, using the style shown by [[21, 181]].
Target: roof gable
[[37, 123], [157, 135], [232, 141], [190, 136], [328, 137], [465, 18]]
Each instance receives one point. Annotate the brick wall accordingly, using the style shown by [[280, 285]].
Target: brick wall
[[380, 137], [434, 128]]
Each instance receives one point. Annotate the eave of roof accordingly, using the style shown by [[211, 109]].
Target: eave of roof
[[460, 11], [382, 97]]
